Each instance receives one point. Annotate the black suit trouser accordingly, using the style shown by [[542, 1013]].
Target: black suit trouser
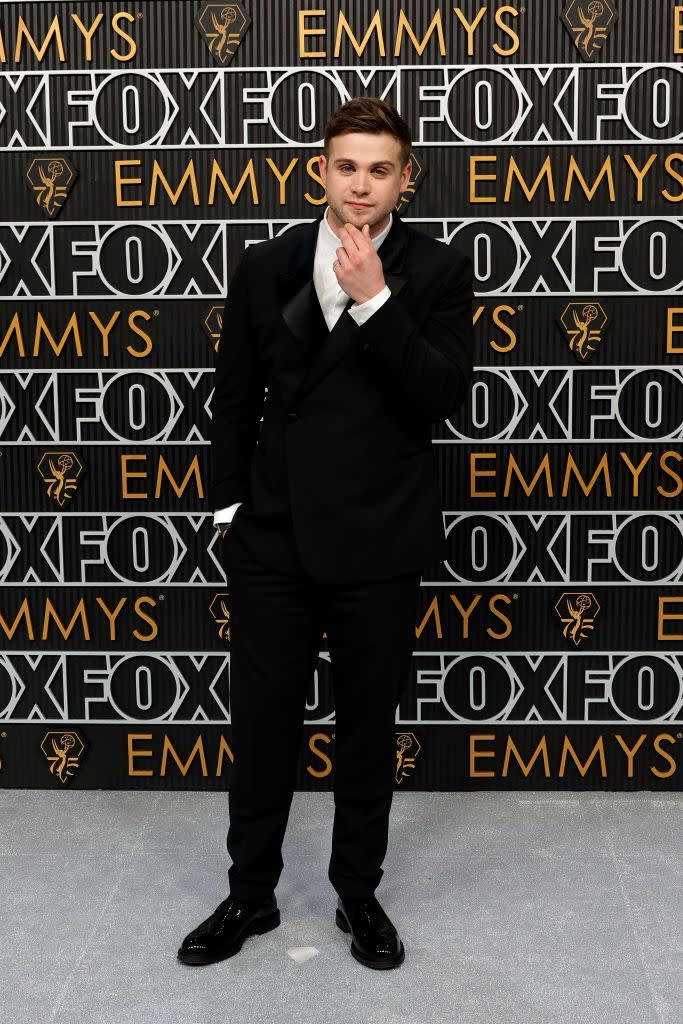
[[276, 624]]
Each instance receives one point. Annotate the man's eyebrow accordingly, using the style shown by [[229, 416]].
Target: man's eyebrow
[[347, 160]]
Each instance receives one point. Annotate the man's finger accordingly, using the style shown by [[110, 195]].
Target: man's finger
[[346, 240], [356, 236], [342, 256]]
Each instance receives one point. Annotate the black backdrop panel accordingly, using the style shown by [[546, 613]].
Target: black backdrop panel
[[144, 146]]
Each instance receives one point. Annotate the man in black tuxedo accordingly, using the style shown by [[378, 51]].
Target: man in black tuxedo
[[327, 500]]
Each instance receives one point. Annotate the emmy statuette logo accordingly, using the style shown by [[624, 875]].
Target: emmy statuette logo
[[220, 610], [61, 472], [589, 24], [63, 751], [213, 324], [417, 176], [577, 611], [50, 179], [408, 749], [223, 27], [584, 325]]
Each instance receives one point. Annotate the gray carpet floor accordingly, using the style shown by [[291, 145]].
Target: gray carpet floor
[[527, 908]]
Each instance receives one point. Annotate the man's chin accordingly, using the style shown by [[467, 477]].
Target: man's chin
[[357, 216]]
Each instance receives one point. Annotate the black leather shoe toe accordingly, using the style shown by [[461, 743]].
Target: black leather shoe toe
[[223, 933], [374, 940]]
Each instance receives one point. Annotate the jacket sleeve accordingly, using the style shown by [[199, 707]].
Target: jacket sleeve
[[237, 399], [428, 369]]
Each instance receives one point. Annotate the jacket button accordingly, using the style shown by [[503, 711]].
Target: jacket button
[[292, 416], [365, 346]]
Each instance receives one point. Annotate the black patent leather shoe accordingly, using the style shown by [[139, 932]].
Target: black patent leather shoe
[[223, 933], [374, 940]]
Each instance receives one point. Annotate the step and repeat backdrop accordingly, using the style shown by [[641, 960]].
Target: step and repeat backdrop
[[144, 146]]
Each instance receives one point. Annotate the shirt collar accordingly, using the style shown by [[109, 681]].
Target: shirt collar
[[330, 237]]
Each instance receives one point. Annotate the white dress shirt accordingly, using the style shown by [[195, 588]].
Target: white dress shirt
[[332, 299]]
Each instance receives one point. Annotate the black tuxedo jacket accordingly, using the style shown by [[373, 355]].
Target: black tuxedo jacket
[[343, 453]]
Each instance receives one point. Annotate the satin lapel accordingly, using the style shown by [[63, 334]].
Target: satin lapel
[[298, 302], [315, 352]]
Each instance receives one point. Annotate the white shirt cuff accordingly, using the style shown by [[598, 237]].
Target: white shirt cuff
[[362, 311], [224, 515]]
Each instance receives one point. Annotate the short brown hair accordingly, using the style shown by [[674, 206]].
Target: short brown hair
[[369, 114]]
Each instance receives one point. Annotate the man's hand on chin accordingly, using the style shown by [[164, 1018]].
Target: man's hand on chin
[[359, 270]]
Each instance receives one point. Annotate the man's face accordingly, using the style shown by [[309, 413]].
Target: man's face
[[363, 179]]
